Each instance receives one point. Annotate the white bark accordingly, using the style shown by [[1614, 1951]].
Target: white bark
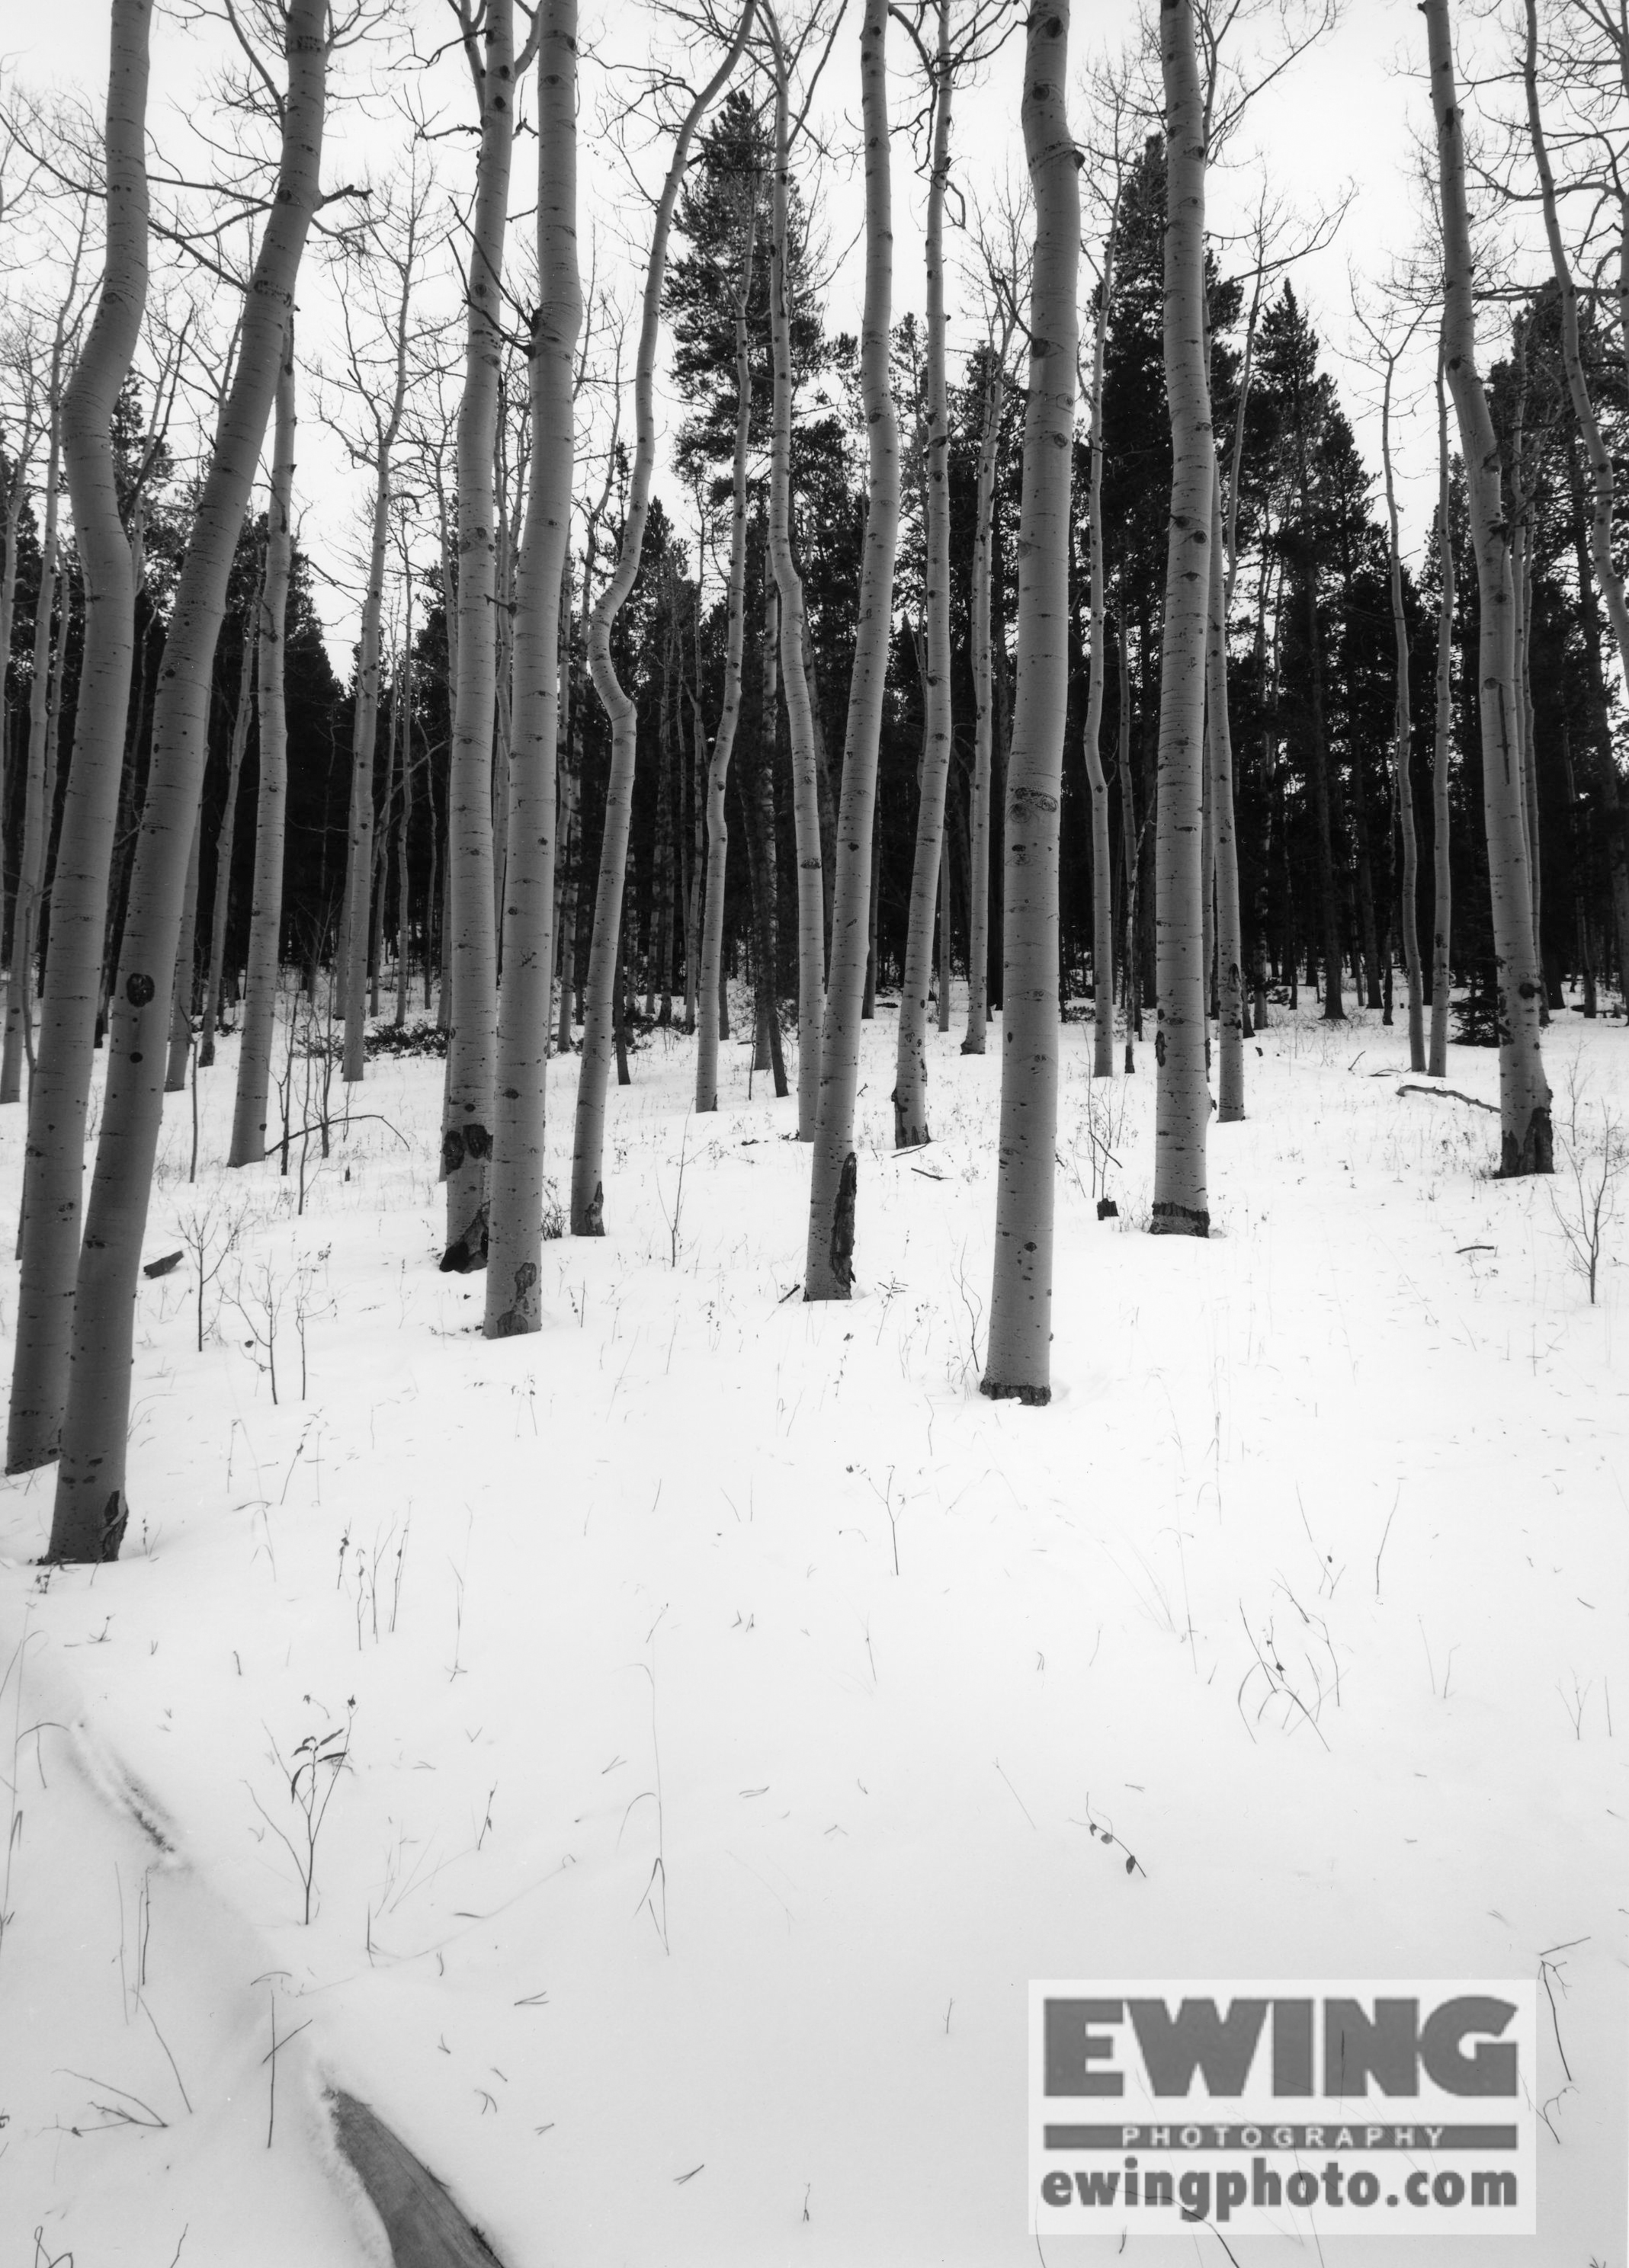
[[1102, 894], [789, 583], [1224, 839], [983, 695], [54, 1159], [467, 1138], [829, 1264], [1019, 1360], [1525, 1138], [599, 1038], [710, 996], [514, 1265], [910, 1126], [225, 839], [91, 1508], [1181, 1095], [251, 1102]]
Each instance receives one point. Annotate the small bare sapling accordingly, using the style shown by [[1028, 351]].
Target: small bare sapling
[[312, 1777], [210, 1229], [1584, 1194]]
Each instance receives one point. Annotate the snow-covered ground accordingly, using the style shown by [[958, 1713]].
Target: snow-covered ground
[[732, 1693]]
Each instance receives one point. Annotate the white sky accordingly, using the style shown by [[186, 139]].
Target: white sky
[[1346, 114]]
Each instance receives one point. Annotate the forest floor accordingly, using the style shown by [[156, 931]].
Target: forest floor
[[731, 1693]]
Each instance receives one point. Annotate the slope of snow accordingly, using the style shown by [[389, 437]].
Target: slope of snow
[[733, 1693]]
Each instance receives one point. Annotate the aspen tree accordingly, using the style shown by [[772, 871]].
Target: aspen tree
[[514, 1266], [1597, 456], [978, 824], [404, 706], [395, 241], [599, 1034], [250, 1104], [1525, 1138], [829, 1264], [227, 837], [1019, 1366], [789, 585], [1442, 871], [1102, 894], [1402, 726], [709, 995], [467, 1132], [90, 1507], [54, 1159], [1182, 1097], [185, 976], [1224, 839], [910, 1126]]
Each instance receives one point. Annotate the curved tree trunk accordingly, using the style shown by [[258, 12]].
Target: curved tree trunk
[[1224, 839], [910, 1126], [259, 990], [829, 1263], [709, 995], [54, 1159], [979, 826], [1102, 891], [226, 841], [515, 1259], [1442, 872], [91, 1508], [789, 583], [588, 1150], [1525, 1138], [1182, 1096], [467, 1138], [1020, 1363]]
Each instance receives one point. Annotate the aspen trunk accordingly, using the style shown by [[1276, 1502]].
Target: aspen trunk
[[515, 1259], [54, 1158], [251, 1103], [1403, 734], [911, 1125], [978, 823], [186, 971], [226, 841], [19, 1046], [364, 737], [1442, 874], [758, 789], [789, 583], [1182, 1102], [1102, 894], [1224, 839], [589, 1150], [829, 1264], [1525, 1141], [466, 1136], [1019, 1361], [710, 994], [91, 1507], [1599, 461], [404, 925]]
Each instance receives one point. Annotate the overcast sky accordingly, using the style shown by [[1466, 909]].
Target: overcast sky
[[1348, 115]]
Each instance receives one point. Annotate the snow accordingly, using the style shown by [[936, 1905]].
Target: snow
[[733, 1691]]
